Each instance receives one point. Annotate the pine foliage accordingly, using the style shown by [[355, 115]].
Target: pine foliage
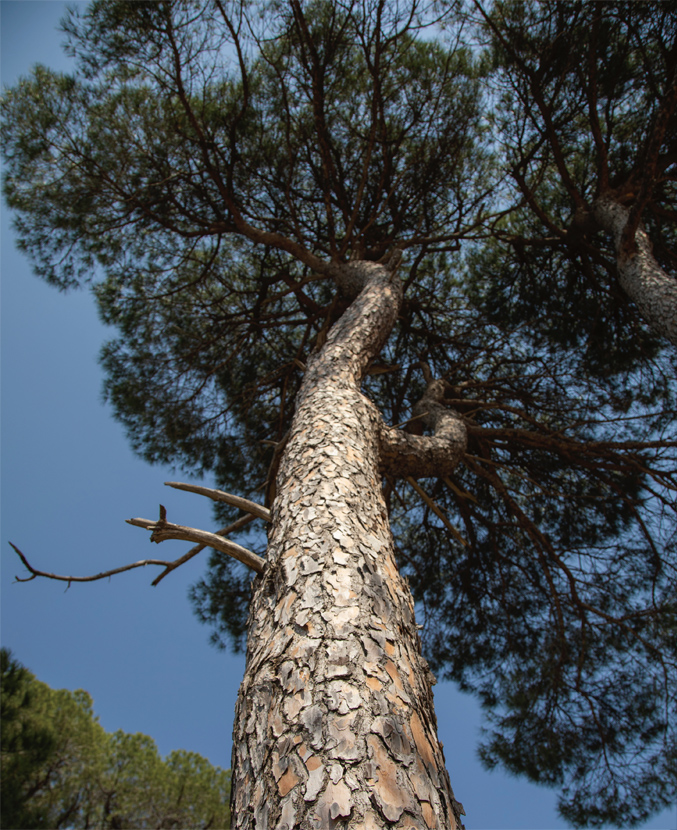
[[210, 159]]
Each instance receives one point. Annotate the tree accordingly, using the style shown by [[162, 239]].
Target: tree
[[27, 743], [248, 196], [587, 115], [60, 768]]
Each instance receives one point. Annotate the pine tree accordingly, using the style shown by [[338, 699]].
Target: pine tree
[[285, 210], [60, 768], [588, 126]]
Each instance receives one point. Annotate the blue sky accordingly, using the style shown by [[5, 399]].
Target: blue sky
[[69, 481]]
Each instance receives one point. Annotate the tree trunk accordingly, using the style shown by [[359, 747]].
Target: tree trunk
[[644, 281], [334, 724]]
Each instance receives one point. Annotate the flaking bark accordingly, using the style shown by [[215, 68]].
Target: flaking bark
[[645, 282], [335, 725]]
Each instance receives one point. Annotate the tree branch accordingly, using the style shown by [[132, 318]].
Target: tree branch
[[649, 164], [437, 510], [35, 572], [236, 525], [252, 507], [590, 86], [163, 530], [423, 456], [543, 106]]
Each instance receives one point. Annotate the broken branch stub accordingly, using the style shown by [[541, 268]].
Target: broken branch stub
[[218, 495]]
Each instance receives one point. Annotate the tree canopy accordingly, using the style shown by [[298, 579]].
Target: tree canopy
[[60, 768], [586, 99], [208, 165]]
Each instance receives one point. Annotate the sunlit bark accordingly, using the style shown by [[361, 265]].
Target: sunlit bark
[[335, 725], [645, 282]]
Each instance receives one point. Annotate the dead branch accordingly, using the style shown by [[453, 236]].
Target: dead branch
[[35, 572], [225, 531], [252, 507], [409, 420], [163, 530]]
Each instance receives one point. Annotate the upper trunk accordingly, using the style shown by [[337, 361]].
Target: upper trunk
[[335, 725], [648, 286]]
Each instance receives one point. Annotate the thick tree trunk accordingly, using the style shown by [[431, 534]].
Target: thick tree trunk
[[644, 281], [334, 723]]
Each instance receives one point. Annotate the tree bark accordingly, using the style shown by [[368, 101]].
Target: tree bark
[[644, 281], [335, 725]]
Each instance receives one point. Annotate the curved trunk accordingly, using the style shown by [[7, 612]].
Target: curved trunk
[[334, 723], [644, 281]]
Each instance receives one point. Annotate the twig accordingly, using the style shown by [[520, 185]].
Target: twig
[[35, 572], [458, 490], [409, 420], [436, 510]]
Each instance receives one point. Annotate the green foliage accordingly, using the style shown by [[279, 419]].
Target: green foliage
[[579, 90], [27, 743], [60, 768], [207, 161]]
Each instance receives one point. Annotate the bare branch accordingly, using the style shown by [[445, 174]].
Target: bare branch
[[218, 495], [205, 540], [410, 420], [236, 525], [35, 572], [163, 530]]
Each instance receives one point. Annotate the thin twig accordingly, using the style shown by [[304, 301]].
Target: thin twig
[[436, 510], [35, 572], [415, 418]]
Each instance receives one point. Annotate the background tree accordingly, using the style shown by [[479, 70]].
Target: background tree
[[223, 209], [60, 768], [27, 743], [586, 118]]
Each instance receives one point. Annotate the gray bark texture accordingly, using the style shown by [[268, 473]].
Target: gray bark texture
[[641, 277], [335, 725]]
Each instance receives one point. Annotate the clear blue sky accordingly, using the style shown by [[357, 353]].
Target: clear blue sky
[[69, 481]]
